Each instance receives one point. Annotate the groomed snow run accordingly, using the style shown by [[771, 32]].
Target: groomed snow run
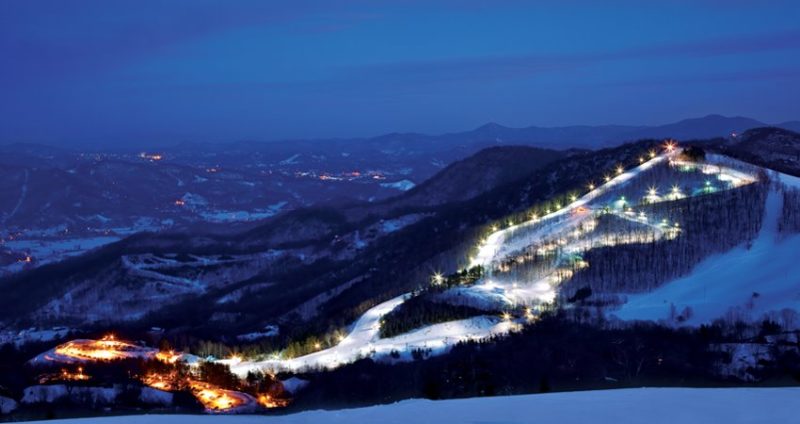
[[364, 341], [745, 281], [651, 406]]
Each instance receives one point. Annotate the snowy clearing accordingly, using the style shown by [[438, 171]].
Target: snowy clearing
[[653, 406]]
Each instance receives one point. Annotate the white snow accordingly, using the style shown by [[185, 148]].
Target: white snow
[[269, 331], [402, 185], [294, 384], [744, 282], [364, 341], [7, 405], [53, 250], [395, 224], [240, 216], [292, 160], [31, 335], [153, 396], [58, 392], [648, 405], [23, 194], [496, 247]]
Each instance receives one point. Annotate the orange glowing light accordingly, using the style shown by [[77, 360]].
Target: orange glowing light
[[216, 399], [169, 356], [105, 349], [269, 401]]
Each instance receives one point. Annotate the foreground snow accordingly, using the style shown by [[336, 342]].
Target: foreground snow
[[653, 406]]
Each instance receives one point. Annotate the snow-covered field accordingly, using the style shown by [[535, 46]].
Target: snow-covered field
[[44, 251], [652, 406]]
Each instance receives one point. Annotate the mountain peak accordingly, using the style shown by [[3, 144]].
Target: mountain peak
[[491, 126]]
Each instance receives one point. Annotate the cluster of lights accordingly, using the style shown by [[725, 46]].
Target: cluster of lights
[[216, 399], [105, 349], [619, 170]]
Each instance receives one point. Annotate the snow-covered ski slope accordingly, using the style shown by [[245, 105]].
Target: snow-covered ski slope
[[745, 282], [496, 246], [652, 406], [364, 340]]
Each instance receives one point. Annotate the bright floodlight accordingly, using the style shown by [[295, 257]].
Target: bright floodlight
[[573, 198], [591, 186], [607, 178], [652, 154], [620, 169], [641, 159], [669, 146], [652, 191], [676, 189], [438, 278]]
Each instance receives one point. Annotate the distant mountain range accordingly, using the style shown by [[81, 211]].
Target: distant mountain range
[[575, 136], [468, 142], [582, 136]]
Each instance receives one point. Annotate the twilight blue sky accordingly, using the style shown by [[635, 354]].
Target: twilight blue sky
[[116, 72]]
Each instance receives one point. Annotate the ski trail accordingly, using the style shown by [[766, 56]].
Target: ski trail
[[364, 338]]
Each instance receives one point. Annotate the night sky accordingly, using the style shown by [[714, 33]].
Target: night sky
[[117, 72]]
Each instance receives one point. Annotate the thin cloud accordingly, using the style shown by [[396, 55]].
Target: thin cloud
[[504, 67]]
